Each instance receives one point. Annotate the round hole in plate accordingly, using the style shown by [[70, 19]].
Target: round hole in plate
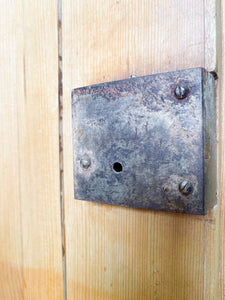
[[117, 167]]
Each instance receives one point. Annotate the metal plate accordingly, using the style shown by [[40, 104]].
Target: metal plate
[[156, 140]]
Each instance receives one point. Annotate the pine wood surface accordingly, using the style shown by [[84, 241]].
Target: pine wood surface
[[110, 252], [123, 253], [30, 231]]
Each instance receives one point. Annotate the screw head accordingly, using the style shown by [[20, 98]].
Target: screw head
[[85, 162], [181, 91], [165, 189], [186, 187]]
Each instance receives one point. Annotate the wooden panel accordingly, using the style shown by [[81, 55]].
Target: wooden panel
[[30, 234], [122, 253]]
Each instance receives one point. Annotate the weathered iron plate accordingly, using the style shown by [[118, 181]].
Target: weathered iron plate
[[157, 141]]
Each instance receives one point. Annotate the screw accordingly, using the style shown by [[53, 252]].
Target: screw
[[181, 91], [186, 187], [85, 162], [165, 189]]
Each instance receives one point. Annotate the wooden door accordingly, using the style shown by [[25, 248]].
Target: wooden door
[[51, 245]]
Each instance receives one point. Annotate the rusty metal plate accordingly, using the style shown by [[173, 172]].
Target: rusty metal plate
[[147, 142]]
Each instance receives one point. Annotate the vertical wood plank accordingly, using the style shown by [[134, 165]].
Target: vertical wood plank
[[213, 220], [221, 137], [30, 234], [122, 253]]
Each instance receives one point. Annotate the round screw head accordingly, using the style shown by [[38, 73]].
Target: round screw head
[[165, 189], [186, 187], [85, 162], [181, 91]]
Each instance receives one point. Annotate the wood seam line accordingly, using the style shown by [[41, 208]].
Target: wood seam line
[[60, 118]]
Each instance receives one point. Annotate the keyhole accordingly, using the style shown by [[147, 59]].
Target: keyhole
[[117, 167]]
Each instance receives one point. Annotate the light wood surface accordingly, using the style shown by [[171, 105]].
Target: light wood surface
[[30, 233], [122, 253], [111, 252]]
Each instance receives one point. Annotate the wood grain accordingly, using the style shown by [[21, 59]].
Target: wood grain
[[30, 234], [122, 253]]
